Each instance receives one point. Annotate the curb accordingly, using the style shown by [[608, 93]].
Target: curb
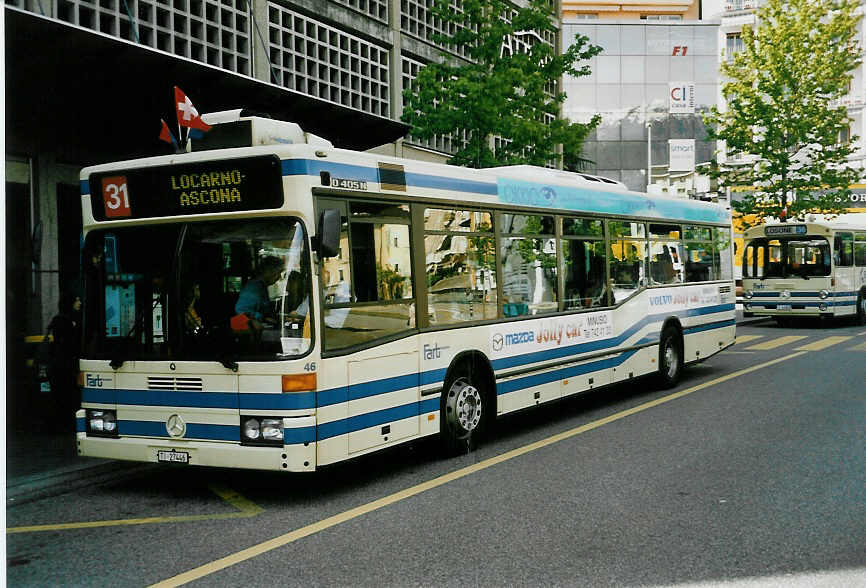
[[61, 480]]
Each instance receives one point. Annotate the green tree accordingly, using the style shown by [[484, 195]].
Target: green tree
[[780, 109], [508, 88]]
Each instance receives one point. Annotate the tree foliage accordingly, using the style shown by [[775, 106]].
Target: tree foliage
[[783, 113], [505, 88]]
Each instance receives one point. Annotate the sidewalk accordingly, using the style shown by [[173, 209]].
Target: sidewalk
[[42, 464]]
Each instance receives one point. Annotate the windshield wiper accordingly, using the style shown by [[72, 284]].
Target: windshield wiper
[[228, 362]]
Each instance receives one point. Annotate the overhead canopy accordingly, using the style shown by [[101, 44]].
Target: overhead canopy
[[85, 95]]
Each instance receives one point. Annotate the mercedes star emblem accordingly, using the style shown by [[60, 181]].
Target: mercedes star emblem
[[175, 426]]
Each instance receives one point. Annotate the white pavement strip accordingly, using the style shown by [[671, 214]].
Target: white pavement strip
[[834, 579]]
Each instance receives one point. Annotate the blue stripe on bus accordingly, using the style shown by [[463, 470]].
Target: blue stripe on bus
[[80, 425], [806, 304], [383, 386], [802, 294], [227, 400], [193, 430], [205, 431], [99, 395], [555, 375], [433, 376], [288, 401], [346, 171], [370, 419], [84, 186], [178, 398], [710, 326]]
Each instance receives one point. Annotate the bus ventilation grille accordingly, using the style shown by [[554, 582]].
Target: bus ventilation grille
[[172, 383]]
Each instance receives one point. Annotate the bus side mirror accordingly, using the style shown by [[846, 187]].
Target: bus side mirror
[[328, 239]]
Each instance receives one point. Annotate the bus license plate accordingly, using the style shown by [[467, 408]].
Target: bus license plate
[[172, 456], [783, 307]]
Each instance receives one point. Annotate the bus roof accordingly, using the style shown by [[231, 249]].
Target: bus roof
[[521, 186], [813, 225]]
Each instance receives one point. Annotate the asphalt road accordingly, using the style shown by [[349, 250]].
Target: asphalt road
[[753, 467]]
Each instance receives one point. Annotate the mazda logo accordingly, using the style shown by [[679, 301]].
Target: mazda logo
[[498, 339], [175, 426]]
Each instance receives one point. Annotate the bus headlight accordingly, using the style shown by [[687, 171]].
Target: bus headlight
[[272, 430], [822, 307], [101, 422], [262, 430], [823, 294], [252, 429], [748, 294]]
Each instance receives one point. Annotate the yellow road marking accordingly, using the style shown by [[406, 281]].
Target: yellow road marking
[[747, 338], [292, 536], [823, 343], [245, 509], [777, 342], [860, 347]]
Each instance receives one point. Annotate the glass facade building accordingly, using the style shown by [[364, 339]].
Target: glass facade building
[[631, 84]]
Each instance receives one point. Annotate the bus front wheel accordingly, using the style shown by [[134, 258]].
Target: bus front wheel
[[670, 358], [861, 309], [465, 411]]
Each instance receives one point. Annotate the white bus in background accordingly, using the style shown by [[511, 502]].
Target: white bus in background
[[407, 298], [815, 268]]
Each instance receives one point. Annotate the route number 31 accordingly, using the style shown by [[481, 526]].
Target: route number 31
[[115, 195]]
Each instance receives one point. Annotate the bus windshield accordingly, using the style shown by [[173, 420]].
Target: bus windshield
[[787, 257], [218, 291]]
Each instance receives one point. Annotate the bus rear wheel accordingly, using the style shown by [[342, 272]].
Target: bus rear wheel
[[465, 411], [670, 358]]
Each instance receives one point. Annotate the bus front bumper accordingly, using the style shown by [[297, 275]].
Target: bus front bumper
[[297, 457]]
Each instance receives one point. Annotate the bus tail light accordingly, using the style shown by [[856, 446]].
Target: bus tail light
[[299, 382], [80, 379]]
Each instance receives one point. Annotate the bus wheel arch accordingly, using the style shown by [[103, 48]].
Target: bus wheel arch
[[468, 403], [671, 354]]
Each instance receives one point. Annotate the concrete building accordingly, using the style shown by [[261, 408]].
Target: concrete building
[[651, 85], [659, 10], [88, 81]]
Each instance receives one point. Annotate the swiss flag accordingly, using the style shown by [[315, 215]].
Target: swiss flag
[[187, 115]]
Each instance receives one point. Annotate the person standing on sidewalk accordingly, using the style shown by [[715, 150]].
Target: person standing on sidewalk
[[65, 327]]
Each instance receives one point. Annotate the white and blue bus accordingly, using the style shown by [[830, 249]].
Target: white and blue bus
[[267, 301], [814, 268]]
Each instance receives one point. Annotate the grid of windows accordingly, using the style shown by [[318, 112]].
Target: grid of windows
[[378, 9], [325, 62], [417, 19], [216, 32]]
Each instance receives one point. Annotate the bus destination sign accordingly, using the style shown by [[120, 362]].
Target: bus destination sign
[[785, 230], [229, 185]]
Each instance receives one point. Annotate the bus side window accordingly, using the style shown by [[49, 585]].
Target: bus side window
[[367, 288], [860, 249], [843, 249]]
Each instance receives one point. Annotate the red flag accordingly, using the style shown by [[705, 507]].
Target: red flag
[[187, 115], [166, 135]]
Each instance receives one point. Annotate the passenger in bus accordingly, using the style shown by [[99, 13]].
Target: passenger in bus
[[253, 300]]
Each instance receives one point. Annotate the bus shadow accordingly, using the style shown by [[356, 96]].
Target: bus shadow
[[381, 473]]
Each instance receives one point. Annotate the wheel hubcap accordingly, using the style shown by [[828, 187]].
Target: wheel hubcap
[[464, 405], [671, 358]]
